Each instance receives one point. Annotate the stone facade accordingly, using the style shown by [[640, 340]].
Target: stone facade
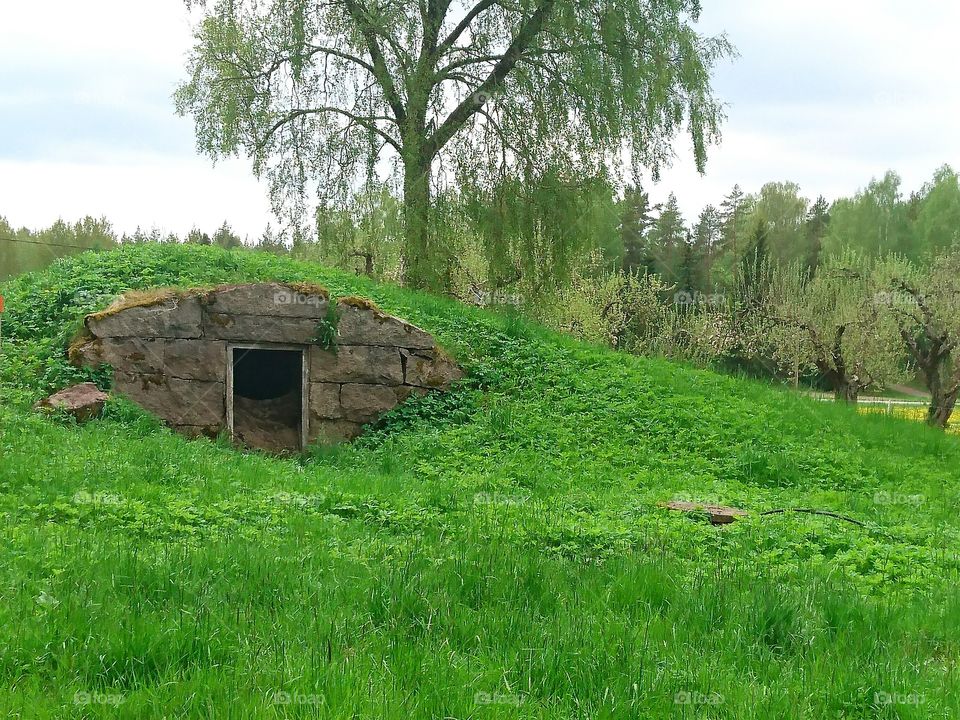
[[171, 353]]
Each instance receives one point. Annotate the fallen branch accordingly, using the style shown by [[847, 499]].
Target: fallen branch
[[810, 511]]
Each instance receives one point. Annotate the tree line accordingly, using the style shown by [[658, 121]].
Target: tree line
[[23, 250], [849, 296]]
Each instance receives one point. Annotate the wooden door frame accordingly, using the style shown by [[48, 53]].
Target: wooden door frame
[[304, 383]]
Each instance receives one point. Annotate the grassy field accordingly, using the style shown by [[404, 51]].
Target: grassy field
[[495, 552]]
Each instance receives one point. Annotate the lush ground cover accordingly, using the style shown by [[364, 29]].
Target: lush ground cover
[[497, 551]]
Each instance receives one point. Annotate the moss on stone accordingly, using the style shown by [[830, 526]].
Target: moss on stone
[[306, 288], [361, 303], [139, 298], [76, 346]]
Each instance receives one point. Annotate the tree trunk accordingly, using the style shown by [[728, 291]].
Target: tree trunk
[[421, 261], [942, 400], [846, 391], [938, 415], [845, 388]]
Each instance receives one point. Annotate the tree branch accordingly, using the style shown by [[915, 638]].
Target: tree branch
[[462, 26], [379, 68], [521, 41], [368, 122]]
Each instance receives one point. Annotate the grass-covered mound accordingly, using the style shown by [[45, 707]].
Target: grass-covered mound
[[497, 551]]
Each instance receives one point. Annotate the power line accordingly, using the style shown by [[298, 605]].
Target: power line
[[47, 244]]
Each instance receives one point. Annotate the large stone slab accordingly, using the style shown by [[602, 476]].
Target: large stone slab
[[365, 403], [330, 432], [260, 328], [196, 359], [130, 354], [267, 299], [365, 325], [178, 401], [174, 317], [718, 514], [357, 364]]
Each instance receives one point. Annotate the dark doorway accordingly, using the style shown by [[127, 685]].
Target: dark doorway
[[268, 398]]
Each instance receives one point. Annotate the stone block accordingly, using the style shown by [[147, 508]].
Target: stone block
[[429, 370], [363, 326], [175, 317], [195, 359], [331, 432], [365, 403], [266, 299], [176, 400], [259, 328], [325, 401], [129, 354], [356, 364]]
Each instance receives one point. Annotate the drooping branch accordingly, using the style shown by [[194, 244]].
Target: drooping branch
[[379, 67], [368, 122]]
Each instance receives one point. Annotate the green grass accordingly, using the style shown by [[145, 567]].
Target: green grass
[[494, 552]]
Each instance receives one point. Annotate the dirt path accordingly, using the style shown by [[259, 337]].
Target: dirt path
[[912, 392]]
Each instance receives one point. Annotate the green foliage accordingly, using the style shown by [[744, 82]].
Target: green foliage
[[938, 219], [834, 322], [501, 542], [875, 221], [326, 335]]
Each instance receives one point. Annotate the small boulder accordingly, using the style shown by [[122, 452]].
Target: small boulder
[[718, 514], [84, 401]]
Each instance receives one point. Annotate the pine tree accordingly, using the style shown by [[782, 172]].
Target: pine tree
[[707, 238], [754, 267], [635, 223], [731, 212], [226, 238], [667, 238]]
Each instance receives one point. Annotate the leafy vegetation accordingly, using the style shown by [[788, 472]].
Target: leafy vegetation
[[497, 551]]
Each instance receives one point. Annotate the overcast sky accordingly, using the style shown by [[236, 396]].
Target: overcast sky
[[826, 93]]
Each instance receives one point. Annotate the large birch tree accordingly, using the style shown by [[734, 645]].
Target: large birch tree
[[323, 95]]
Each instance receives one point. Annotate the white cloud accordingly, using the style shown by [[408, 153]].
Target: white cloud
[[828, 94], [87, 124]]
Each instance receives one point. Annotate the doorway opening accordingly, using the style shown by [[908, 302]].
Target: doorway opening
[[265, 397]]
